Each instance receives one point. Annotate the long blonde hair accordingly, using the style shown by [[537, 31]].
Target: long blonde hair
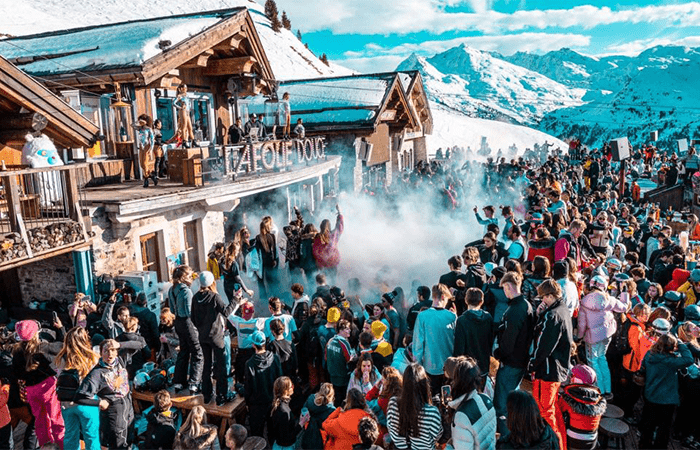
[[193, 425], [325, 395], [232, 250], [76, 352], [29, 349], [265, 231], [325, 233]]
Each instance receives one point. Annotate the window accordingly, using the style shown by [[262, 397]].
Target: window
[[191, 247], [150, 252]]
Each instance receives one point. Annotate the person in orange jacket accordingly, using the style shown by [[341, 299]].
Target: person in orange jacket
[[580, 405], [640, 342], [340, 430]]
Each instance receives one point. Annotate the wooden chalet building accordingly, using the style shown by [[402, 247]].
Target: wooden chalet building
[[143, 233], [43, 245], [376, 122]]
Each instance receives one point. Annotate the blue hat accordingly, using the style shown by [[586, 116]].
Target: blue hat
[[258, 338], [694, 276], [206, 279], [614, 262], [537, 217], [673, 296]]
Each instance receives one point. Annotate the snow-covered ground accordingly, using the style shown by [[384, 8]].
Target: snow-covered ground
[[453, 128], [289, 58]]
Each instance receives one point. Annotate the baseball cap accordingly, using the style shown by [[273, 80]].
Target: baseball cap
[[257, 338]]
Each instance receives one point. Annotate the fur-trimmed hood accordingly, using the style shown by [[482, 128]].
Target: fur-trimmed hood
[[584, 399]]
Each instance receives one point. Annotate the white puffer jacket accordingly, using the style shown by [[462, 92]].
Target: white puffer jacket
[[474, 423]]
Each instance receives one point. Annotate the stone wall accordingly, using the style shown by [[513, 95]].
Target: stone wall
[[47, 279], [117, 247]]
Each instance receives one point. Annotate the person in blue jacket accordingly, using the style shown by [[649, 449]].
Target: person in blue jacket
[[434, 336], [661, 365]]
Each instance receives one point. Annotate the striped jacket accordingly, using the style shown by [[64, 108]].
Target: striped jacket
[[429, 428]]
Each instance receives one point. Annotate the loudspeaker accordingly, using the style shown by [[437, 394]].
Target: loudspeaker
[[365, 151], [620, 149], [654, 136]]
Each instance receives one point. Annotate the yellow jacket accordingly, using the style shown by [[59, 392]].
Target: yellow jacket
[[687, 289]]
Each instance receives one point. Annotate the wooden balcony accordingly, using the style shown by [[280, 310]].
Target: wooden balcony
[[40, 214]]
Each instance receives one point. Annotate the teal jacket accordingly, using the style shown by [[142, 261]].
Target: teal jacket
[[434, 338], [661, 369]]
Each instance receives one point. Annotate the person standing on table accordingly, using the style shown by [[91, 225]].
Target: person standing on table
[[190, 357], [209, 311]]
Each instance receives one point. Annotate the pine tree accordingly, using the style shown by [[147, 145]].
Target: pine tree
[[270, 9], [299, 35], [275, 23], [285, 21], [324, 59]]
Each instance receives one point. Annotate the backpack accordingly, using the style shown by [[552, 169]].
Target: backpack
[[621, 341], [314, 349]]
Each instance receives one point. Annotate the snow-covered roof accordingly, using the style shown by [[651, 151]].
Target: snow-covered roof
[[111, 46], [18, 91], [329, 102]]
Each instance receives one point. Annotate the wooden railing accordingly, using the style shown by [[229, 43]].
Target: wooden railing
[[40, 213]]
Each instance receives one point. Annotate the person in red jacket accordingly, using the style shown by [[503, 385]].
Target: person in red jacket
[[580, 406], [340, 430], [639, 343]]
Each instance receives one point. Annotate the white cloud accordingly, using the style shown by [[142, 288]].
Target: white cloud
[[634, 48], [408, 16], [373, 58]]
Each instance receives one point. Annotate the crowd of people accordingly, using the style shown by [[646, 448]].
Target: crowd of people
[[574, 298]]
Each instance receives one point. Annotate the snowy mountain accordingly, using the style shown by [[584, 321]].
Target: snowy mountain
[[478, 84], [627, 96], [289, 58]]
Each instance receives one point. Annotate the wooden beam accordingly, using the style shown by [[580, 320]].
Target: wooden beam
[[230, 43], [230, 66], [16, 122], [198, 61], [183, 52]]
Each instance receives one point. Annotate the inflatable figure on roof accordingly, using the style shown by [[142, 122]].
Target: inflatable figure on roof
[[40, 152]]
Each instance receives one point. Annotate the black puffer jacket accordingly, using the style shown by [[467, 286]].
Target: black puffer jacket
[[553, 339], [209, 313]]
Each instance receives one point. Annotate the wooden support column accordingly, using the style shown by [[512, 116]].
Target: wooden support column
[[73, 200]]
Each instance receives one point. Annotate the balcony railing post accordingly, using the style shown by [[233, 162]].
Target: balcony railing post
[[14, 210], [73, 200]]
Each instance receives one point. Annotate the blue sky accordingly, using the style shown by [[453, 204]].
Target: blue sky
[[375, 35]]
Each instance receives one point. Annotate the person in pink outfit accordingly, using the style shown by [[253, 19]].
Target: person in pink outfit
[[325, 246], [34, 371]]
